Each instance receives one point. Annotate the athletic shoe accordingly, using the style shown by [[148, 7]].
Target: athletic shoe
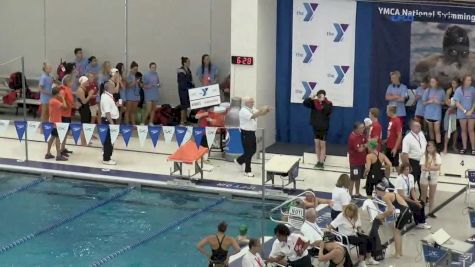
[[64, 154], [362, 264], [319, 166], [49, 156], [432, 216], [239, 166], [372, 261], [249, 174], [423, 226], [67, 151], [61, 158], [109, 162]]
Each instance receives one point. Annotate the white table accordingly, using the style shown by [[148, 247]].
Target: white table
[[287, 167]]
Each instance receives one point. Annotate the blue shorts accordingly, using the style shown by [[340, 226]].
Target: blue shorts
[[133, 94], [151, 95]]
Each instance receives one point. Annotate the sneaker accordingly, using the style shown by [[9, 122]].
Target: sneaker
[[432, 215], [239, 166], [66, 151], [64, 154], [61, 158], [109, 162], [362, 264], [372, 261], [319, 165], [249, 174], [423, 226], [49, 156]]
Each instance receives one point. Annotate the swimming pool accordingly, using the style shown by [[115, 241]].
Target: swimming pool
[[63, 222]]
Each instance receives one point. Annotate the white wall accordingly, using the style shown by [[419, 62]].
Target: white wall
[[158, 30]]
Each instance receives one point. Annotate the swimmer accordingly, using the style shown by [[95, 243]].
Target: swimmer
[[220, 244], [242, 238]]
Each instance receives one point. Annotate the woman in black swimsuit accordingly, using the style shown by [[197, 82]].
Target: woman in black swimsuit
[[374, 170], [333, 252], [394, 202], [219, 244]]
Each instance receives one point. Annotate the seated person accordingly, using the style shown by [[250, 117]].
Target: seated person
[[242, 238], [311, 231], [289, 248], [311, 201], [252, 258], [349, 224], [334, 252], [296, 203]]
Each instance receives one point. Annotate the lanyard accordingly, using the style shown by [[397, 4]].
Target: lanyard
[[353, 224], [259, 261], [407, 184], [418, 138], [112, 97]]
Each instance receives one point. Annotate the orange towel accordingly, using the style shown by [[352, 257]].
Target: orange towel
[[188, 153]]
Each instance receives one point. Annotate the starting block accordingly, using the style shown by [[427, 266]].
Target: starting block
[[188, 153]]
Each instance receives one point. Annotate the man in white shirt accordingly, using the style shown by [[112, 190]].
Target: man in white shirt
[[413, 147], [289, 248], [109, 114], [248, 124], [252, 258], [311, 231]]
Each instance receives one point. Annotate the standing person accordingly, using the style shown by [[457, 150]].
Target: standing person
[[430, 165], [207, 72], [321, 109], [405, 187], [450, 118], [248, 124], [110, 114], [151, 83], [433, 100], [340, 195], [374, 170], [80, 61], [289, 249], [394, 137], [357, 157], [419, 114], [396, 94], [84, 96], [46, 86], [413, 147], [56, 105], [105, 73], [132, 93], [185, 82], [376, 131], [252, 258], [93, 89], [92, 66], [67, 94], [464, 100], [219, 244], [121, 96]]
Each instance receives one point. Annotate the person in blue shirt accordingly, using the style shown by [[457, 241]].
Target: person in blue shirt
[[419, 114], [464, 100], [396, 94], [185, 82], [434, 99], [46, 87], [151, 83], [80, 62], [92, 66], [132, 93], [207, 72]]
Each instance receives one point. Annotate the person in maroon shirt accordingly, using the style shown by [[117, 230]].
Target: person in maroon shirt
[[375, 132], [394, 139], [357, 156]]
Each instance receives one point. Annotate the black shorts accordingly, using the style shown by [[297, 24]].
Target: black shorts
[[431, 120], [356, 172], [404, 218], [394, 159], [54, 132], [66, 119], [320, 134], [184, 99]]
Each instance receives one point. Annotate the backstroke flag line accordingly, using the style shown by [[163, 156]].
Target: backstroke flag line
[[3, 126], [32, 127], [88, 129], [114, 130], [142, 131], [62, 128], [168, 132]]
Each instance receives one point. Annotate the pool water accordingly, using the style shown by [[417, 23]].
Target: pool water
[[102, 231]]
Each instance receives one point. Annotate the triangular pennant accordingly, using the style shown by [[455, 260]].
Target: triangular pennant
[[32, 127], [103, 132], [180, 132], [88, 130], [3, 126], [20, 127], [114, 130], [47, 128], [198, 133], [154, 132], [126, 131], [210, 135], [142, 131], [168, 132], [188, 135], [76, 131], [62, 128]]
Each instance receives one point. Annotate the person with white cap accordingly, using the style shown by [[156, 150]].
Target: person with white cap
[[84, 95]]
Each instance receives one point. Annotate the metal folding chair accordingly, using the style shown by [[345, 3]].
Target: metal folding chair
[[470, 176]]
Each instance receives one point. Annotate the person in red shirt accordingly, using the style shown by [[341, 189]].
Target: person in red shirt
[[93, 89], [66, 113], [56, 106], [394, 138], [357, 156], [376, 131]]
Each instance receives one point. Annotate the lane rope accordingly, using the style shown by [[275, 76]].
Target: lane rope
[[163, 230], [64, 221], [22, 188]]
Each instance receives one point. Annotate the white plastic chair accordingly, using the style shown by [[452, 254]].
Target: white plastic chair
[[343, 239], [296, 215], [470, 176]]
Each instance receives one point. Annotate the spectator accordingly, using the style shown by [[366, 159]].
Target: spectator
[[311, 231], [311, 201], [121, 95], [433, 100], [376, 131], [413, 147], [67, 94], [289, 249], [340, 195], [56, 104], [357, 157], [110, 114], [334, 252], [430, 165], [105, 73], [419, 114], [185, 82], [464, 100], [252, 258], [348, 223], [374, 170], [321, 109], [207, 72], [92, 66], [394, 138], [151, 83], [220, 244], [450, 119], [80, 62], [225, 87], [84, 96], [46, 86], [132, 93], [93, 89], [396, 94], [405, 187], [248, 124], [242, 238]]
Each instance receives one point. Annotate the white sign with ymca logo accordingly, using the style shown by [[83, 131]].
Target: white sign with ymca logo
[[204, 96]]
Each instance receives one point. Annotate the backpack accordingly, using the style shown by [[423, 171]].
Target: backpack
[[15, 81], [163, 115], [61, 70], [9, 98]]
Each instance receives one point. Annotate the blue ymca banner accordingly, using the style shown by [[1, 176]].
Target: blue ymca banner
[[234, 142]]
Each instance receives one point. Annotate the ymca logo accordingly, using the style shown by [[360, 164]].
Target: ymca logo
[[204, 91], [309, 52], [308, 88], [340, 73], [340, 29], [309, 12]]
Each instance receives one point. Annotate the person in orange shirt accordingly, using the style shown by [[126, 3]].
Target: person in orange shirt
[[66, 113], [56, 106]]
